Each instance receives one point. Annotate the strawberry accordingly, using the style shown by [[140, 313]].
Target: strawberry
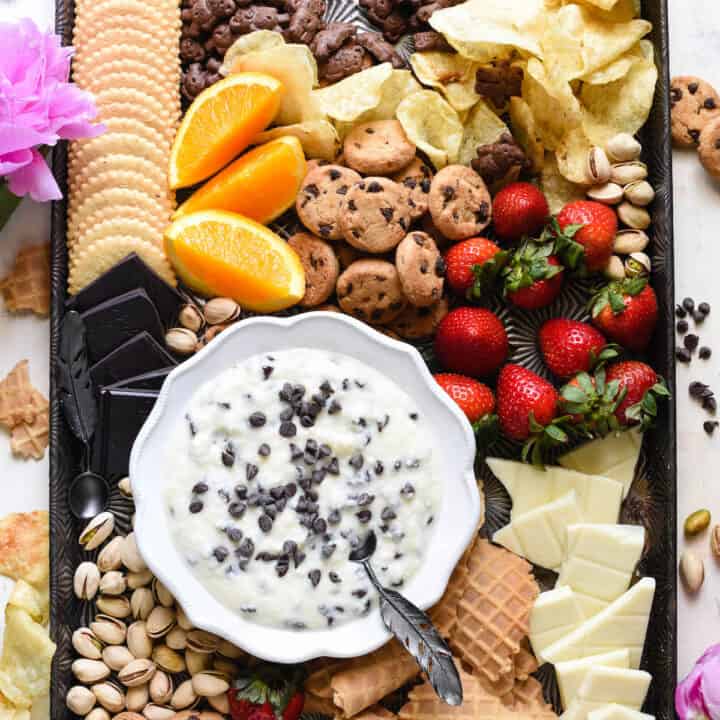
[[269, 694], [520, 208], [263, 712], [473, 265], [534, 277], [294, 708], [627, 312], [471, 341], [642, 387], [476, 400], [527, 408], [592, 225], [569, 346]]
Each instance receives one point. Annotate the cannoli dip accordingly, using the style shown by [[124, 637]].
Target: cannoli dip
[[281, 466]]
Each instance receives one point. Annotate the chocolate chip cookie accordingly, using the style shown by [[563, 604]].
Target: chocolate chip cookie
[[375, 215], [370, 290], [321, 267], [460, 203], [709, 147], [421, 269], [416, 179], [321, 197], [378, 148], [415, 323], [693, 103]]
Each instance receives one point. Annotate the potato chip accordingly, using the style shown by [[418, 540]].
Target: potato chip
[[9, 712], [26, 658], [482, 127], [24, 547], [295, 67], [432, 125], [615, 70], [558, 191], [319, 138], [623, 105], [554, 107], [484, 30], [452, 74], [525, 133], [572, 153], [348, 99], [395, 89], [613, 10], [252, 42], [33, 601]]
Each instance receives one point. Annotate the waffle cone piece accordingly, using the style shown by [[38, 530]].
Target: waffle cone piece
[[31, 439], [27, 287], [366, 680], [444, 614], [526, 700], [377, 712], [493, 611], [17, 397]]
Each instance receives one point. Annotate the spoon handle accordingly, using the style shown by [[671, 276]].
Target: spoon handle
[[415, 631]]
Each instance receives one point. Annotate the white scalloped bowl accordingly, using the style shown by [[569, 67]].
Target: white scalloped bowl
[[454, 442]]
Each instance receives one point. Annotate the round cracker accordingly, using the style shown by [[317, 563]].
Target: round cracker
[[163, 65], [112, 36], [134, 67], [169, 115], [133, 212], [135, 127], [117, 142], [99, 257], [168, 94], [97, 14], [123, 226], [121, 163], [133, 111]]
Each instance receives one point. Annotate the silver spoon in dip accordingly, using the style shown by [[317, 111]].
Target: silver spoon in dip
[[414, 629]]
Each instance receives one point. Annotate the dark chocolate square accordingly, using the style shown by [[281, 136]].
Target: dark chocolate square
[[152, 380]]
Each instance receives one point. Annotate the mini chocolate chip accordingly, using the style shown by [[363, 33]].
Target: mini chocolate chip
[[264, 450], [388, 514], [680, 311], [247, 548], [676, 94], [234, 534], [319, 526], [282, 567], [689, 304], [682, 326], [324, 451], [694, 134], [334, 174], [314, 576], [407, 490], [387, 213], [704, 353], [251, 471], [709, 426], [200, 488], [359, 593], [228, 455], [287, 429], [425, 185], [312, 190], [692, 88], [265, 523], [267, 371], [365, 499], [364, 516], [374, 187], [237, 509], [318, 476], [683, 355], [221, 553], [709, 404], [257, 419], [691, 341], [334, 577], [709, 104], [333, 467], [325, 229], [195, 507], [356, 461], [440, 266], [241, 491], [704, 308], [397, 464], [696, 388], [448, 193], [342, 190], [334, 517]]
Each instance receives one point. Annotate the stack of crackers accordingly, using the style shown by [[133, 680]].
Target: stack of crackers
[[484, 615], [24, 412], [127, 55]]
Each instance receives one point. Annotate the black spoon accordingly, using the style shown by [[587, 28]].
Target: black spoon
[[88, 492], [413, 628]]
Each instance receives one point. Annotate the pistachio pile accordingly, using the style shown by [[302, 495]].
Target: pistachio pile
[[198, 326], [141, 657], [617, 177]]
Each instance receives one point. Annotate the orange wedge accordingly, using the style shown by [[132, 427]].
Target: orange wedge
[[220, 124], [219, 253], [261, 184]]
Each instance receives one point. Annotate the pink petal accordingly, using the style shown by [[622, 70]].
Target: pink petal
[[11, 162], [36, 180]]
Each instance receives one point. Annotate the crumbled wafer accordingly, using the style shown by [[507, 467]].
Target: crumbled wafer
[[136, 111], [494, 610], [528, 701], [129, 227], [27, 287], [118, 163], [16, 397], [117, 142], [99, 257], [524, 663], [377, 712], [30, 439]]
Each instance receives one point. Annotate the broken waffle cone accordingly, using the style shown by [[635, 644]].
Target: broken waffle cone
[[525, 663], [27, 287], [16, 397], [368, 679], [377, 712], [494, 610], [31, 439], [320, 705]]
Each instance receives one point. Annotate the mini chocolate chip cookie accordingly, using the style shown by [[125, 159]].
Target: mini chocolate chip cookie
[[370, 290], [421, 268], [416, 323], [320, 199], [321, 267], [693, 103], [416, 179], [378, 148], [375, 215], [346, 254], [460, 203], [709, 147]]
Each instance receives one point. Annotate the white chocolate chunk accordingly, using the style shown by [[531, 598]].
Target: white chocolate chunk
[[540, 535], [614, 456], [598, 497], [605, 685], [600, 562], [571, 674], [556, 613], [622, 624], [618, 712]]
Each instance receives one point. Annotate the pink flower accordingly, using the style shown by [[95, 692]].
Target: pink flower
[[697, 697], [38, 107]]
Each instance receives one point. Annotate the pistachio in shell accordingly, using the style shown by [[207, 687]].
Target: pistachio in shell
[[87, 644], [109, 630], [97, 531]]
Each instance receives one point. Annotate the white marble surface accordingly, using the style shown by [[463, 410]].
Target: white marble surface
[[695, 48]]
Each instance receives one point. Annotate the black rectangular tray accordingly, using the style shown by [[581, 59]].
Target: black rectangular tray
[[657, 505]]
